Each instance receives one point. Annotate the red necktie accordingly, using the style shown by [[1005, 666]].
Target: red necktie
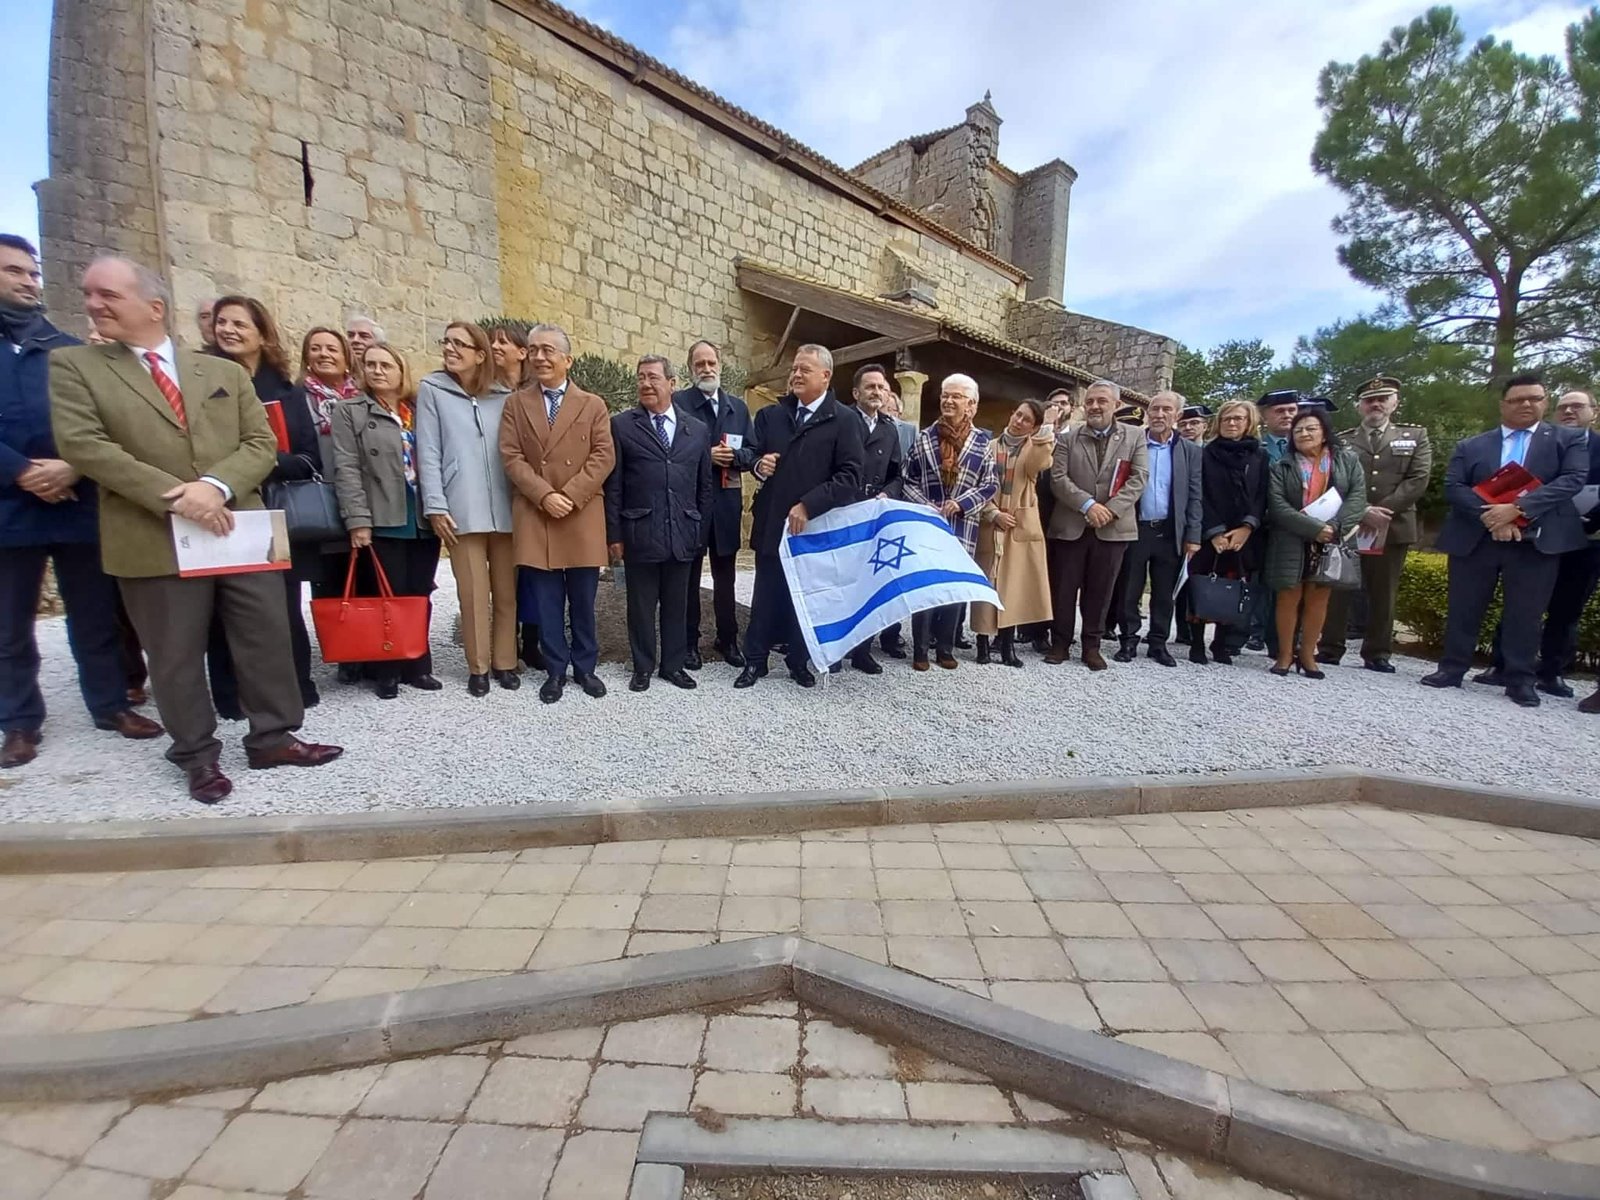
[[168, 388]]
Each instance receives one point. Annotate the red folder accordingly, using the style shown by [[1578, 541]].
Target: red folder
[[1119, 476], [280, 427], [1508, 485]]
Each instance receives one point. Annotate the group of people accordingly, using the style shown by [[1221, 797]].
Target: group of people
[[532, 487]]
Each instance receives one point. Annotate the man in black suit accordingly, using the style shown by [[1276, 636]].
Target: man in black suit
[[870, 392], [1518, 543], [728, 422], [658, 502], [809, 450]]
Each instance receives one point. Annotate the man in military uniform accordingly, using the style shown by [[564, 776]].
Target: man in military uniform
[[1192, 423], [1397, 459]]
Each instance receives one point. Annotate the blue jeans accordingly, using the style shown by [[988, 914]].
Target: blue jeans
[[559, 596]]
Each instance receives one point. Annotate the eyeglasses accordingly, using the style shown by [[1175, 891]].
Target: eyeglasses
[[456, 342]]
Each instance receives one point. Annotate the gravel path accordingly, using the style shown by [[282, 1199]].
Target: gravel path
[[446, 749]]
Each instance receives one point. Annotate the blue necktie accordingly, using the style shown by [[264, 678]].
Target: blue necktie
[[552, 402], [1521, 447], [661, 430], [800, 415]]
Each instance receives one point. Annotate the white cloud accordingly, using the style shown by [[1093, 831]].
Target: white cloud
[[1190, 123]]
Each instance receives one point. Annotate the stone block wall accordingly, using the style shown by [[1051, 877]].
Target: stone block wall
[[1135, 358], [1043, 204], [891, 170]]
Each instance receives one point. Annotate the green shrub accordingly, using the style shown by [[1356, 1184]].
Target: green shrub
[[613, 381], [1424, 599]]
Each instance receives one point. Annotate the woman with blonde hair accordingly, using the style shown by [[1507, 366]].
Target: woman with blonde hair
[[1233, 509], [467, 500]]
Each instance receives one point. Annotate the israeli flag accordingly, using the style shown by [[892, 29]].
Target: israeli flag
[[857, 570]]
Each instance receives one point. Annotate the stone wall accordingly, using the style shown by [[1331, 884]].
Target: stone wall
[[101, 193], [621, 215], [1135, 358], [1039, 244], [891, 170]]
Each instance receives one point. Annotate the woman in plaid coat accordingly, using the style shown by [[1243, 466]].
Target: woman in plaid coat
[[950, 469]]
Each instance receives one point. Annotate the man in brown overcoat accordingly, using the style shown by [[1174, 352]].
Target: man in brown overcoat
[[555, 439]]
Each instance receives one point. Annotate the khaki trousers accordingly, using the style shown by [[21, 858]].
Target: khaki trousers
[[486, 580]]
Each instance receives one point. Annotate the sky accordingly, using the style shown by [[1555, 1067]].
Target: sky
[[1190, 122]]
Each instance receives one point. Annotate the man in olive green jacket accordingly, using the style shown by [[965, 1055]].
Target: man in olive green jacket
[[164, 431]]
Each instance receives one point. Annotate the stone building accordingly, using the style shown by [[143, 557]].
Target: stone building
[[432, 159]]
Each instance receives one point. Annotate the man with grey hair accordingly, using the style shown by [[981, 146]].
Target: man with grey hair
[[555, 439], [205, 315], [165, 432], [363, 333], [658, 504], [809, 452]]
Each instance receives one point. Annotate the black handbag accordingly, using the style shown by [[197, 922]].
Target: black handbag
[[310, 508], [1216, 600]]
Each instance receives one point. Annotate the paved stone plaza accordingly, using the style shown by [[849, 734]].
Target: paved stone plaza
[[1429, 972]]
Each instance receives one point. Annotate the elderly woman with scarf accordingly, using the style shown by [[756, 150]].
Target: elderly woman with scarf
[[950, 469], [1011, 545]]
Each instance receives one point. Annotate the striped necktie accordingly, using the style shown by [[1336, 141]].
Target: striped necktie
[[168, 388], [661, 430], [552, 402]]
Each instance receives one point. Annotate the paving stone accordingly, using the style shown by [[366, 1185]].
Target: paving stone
[[594, 1165], [936, 957], [1066, 1003], [314, 946], [1065, 885], [1556, 1109], [146, 942], [930, 1101], [1294, 1062], [1022, 958], [378, 1160], [28, 1175], [1295, 962], [645, 851], [767, 853], [1186, 921], [612, 879], [760, 914], [60, 1130], [1113, 959], [87, 1183], [1398, 1061], [688, 879], [620, 1095], [598, 911], [1253, 921], [1382, 960], [559, 1043], [873, 949], [530, 1091], [972, 856], [571, 947], [448, 910], [156, 1141], [1088, 919], [763, 881], [369, 981], [909, 884], [837, 1051], [332, 1094], [752, 1044], [1345, 921], [838, 883], [438, 1087], [1548, 955], [923, 855], [1342, 1007], [1585, 1151], [853, 1099], [545, 878], [1153, 1007], [391, 875], [1438, 1004], [495, 1162], [1583, 986], [264, 1152], [1294, 889], [1192, 1179], [854, 918], [1525, 1000], [1219, 889], [1575, 1044], [464, 877], [988, 885], [746, 1093], [1497, 1055], [923, 918], [1201, 1049], [355, 908], [679, 913], [85, 983], [835, 854], [1461, 1116], [1253, 1007], [673, 1040], [1211, 962], [1005, 918]]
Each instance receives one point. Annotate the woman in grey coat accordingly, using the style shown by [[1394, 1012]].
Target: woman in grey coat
[[466, 499], [1315, 464]]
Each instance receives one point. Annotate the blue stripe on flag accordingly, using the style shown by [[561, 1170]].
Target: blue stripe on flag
[[849, 535], [914, 581]]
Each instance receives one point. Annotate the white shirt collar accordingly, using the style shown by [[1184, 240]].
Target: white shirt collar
[[813, 406], [870, 418], [165, 352], [561, 390]]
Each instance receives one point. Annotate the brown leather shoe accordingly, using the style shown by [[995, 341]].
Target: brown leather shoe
[[1056, 656], [208, 784], [947, 662], [21, 747], [293, 753], [137, 696], [1092, 659], [1590, 704], [130, 725]]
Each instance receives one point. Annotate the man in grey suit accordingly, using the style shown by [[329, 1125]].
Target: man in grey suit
[[1169, 530]]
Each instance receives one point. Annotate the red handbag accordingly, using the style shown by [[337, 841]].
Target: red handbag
[[371, 628]]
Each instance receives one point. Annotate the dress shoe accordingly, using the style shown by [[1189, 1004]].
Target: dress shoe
[[137, 697], [591, 685], [1591, 704], [388, 689], [1557, 687], [962, 643], [1327, 659], [1381, 665], [1056, 655], [348, 673], [836, 668], [1127, 652], [692, 661], [553, 686], [1440, 679], [292, 753], [1197, 652], [130, 725], [895, 649], [21, 747], [921, 664], [865, 663], [509, 680], [1161, 655], [1493, 677], [1093, 659], [208, 784], [1041, 645], [1221, 656], [947, 662], [1256, 645], [730, 654], [229, 713], [425, 683], [748, 676], [680, 679], [1522, 695], [1310, 672], [803, 676], [639, 681], [477, 685]]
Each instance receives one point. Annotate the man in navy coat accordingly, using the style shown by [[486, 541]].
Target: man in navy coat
[[728, 421], [1518, 543], [658, 503], [47, 514]]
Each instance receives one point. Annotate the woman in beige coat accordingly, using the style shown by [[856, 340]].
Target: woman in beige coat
[[1011, 546]]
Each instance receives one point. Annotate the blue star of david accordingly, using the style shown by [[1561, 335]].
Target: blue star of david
[[890, 553]]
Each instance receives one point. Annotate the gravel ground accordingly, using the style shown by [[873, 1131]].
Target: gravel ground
[[446, 749], [871, 1187]]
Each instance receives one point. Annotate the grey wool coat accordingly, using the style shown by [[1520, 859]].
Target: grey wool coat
[[459, 468]]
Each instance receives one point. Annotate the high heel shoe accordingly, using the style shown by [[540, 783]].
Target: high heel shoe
[[1309, 672], [1278, 670]]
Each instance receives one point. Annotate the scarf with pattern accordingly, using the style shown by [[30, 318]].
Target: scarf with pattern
[[322, 399], [952, 437]]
